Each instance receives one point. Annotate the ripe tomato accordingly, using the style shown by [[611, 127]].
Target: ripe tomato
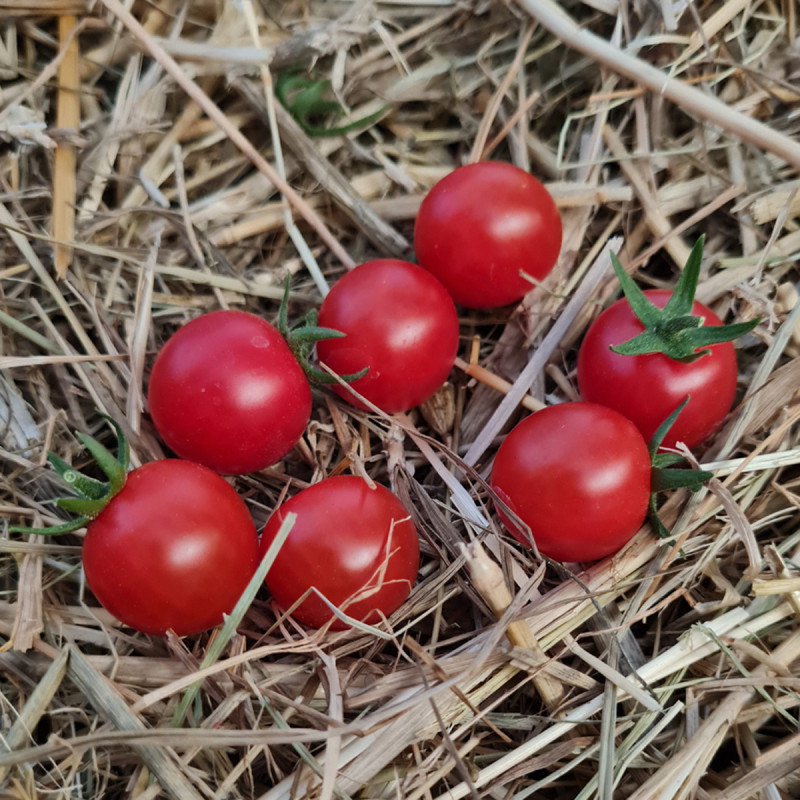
[[647, 388], [578, 475], [173, 549], [481, 226], [399, 322], [355, 544], [226, 391]]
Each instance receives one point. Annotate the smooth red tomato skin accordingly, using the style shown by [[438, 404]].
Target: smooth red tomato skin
[[400, 322], [578, 474], [226, 391], [647, 389], [339, 544], [174, 548], [483, 224]]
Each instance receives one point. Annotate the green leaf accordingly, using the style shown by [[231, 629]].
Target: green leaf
[[715, 334], [641, 345], [663, 476], [308, 320]]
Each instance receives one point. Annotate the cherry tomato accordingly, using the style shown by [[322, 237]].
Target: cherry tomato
[[355, 544], [226, 391], [647, 388], [578, 475], [481, 226], [399, 322], [174, 548]]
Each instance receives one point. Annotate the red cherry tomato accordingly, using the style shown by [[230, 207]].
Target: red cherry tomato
[[399, 322], [226, 391], [355, 544], [481, 226], [648, 388], [174, 548], [578, 475]]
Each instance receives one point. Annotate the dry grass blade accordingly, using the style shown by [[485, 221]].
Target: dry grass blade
[[580, 297], [37, 704], [706, 107], [36, 8], [379, 232], [659, 225], [108, 703], [213, 111], [488, 579], [68, 119]]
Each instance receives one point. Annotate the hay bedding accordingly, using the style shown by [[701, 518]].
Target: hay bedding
[[142, 192]]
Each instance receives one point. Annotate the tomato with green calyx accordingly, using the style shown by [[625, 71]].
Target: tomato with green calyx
[[648, 351], [578, 475], [173, 550], [168, 546], [581, 478], [487, 231], [352, 543], [399, 323]]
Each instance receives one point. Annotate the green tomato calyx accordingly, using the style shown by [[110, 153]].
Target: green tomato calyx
[[90, 495], [665, 476], [674, 330], [304, 99], [302, 337]]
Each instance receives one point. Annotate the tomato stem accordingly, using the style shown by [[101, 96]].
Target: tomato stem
[[52, 530], [83, 484], [663, 429], [674, 330], [303, 336], [92, 496], [663, 476], [304, 99]]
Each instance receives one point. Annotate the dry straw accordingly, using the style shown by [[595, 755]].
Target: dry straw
[[148, 174]]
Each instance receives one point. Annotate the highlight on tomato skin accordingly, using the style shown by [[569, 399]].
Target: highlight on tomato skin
[[352, 542], [173, 550], [578, 475], [400, 323], [226, 391], [487, 231]]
